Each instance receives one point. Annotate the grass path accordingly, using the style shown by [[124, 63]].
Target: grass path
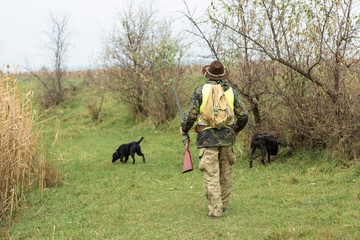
[[296, 197]]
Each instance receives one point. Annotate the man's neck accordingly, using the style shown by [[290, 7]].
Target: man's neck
[[212, 81]]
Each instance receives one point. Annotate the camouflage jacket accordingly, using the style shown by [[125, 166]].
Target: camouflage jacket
[[213, 136]]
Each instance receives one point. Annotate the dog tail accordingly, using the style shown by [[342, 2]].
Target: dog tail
[[140, 140]]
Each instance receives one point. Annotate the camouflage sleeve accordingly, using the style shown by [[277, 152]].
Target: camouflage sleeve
[[241, 113], [193, 110]]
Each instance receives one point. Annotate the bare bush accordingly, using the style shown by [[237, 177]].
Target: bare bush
[[303, 115], [144, 64], [295, 63], [95, 81], [94, 108], [52, 80]]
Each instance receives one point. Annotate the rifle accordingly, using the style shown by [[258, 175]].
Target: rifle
[[187, 164]]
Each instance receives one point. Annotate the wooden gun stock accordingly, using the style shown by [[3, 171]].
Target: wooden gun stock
[[187, 163]]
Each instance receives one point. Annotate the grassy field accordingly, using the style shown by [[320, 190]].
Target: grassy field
[[305, 196]]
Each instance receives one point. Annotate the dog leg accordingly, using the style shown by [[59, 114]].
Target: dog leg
[[251, 155], [142, 156], [138, 152], [132, 155], [269, 156], [263, 153]]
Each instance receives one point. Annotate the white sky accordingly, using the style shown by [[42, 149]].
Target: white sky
[[23, 23]]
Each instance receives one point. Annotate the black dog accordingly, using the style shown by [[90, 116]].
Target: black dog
[[126, 150], [267, 143]]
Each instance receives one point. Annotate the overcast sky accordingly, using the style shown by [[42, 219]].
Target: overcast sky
[[23, 23]]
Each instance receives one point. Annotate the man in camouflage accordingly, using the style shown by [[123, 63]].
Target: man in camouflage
[[216, 145]]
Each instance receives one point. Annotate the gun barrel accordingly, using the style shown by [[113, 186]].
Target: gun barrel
[[178, 104]]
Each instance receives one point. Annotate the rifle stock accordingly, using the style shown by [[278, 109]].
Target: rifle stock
[[187, 163]]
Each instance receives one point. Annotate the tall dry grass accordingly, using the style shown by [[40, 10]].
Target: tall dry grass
[[21, 165], [16, 144]]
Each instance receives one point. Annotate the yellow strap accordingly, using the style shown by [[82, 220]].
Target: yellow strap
[[211, 127], [205, 95], [229, 94]]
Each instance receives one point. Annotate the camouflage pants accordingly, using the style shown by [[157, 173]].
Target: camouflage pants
[[216, 167]]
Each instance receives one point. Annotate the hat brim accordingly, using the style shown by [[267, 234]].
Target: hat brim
[[214, 77]]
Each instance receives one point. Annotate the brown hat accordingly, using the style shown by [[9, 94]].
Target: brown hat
[[215, 71]]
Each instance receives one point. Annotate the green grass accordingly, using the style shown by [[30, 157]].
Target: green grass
[[305, 196]]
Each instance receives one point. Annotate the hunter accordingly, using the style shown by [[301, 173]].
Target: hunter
[[216, 144]]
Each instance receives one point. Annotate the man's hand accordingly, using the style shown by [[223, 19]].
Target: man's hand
[[182, 132]]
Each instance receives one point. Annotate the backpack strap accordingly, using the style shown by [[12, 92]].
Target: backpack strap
[[205, 95], [229, 94]]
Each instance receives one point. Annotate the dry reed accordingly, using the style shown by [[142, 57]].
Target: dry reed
[[20, 166]]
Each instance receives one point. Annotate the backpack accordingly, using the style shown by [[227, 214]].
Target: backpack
[[217, 111]]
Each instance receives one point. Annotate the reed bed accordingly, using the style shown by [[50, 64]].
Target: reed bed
[[17, 145], [22, 166]]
